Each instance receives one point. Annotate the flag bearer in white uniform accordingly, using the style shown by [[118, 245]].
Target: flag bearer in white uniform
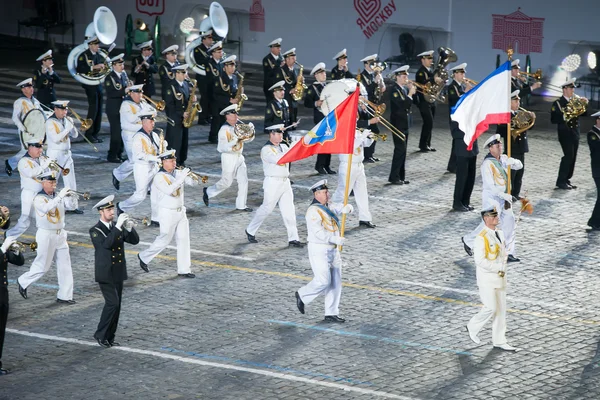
[[277, 187], [358, 180], [31, 165], [168, 184], [51, 239], [490, 259], [146, 146], [232, 161], [58, 130], [21, 107], [323, 240], [494, 195]]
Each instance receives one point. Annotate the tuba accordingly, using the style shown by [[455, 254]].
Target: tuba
[[105, 27], [193, 107], [445, 57], [521, 121], [217, 21], [239, 95], [574, 108], [300, 86]]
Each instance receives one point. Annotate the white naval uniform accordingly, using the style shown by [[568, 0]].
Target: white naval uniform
[[21, 107], [171, 216], [494, 187], [130, 124], [52, 244], [29, 168], [490, 257], [358, 180], [324, 257], [278, 190], [145, 157], [232, 166], [59, 149]]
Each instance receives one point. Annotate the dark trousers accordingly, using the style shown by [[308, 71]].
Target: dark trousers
[[569, 142], [109, 319], [452, 160], [465, 180], [3, 316], [594, 220], [203, 115], [516, 176], [398, 172], [94, 97], [178, 137], [215, 124], [116, 142], [427, 114], [323, 160]]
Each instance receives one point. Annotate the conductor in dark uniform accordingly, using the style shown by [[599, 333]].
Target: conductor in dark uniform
[[177, 98], [90, 61], [44, 79], [341, 70], [271, 65], [109, 240], [423, 76], [224, 90], [401, 99], [593, 138], [143, 67], [201, 57], [369, 80], [115, 83], [278, 110], [213, 68], [165, 70], [6, 256]]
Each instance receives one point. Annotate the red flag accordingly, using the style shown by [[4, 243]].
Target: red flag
[[333, 135]]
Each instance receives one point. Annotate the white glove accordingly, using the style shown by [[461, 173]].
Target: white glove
[[64, 192], [347, 209], [7, 242], [121, 220], [185, 171], [337, 240], [507, 197]]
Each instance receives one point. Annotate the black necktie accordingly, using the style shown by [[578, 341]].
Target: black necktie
[[498, 236]]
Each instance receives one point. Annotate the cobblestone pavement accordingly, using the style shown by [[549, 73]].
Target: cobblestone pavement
[[234, 332]]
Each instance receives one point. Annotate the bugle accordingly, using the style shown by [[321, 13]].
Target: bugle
[[197, 177], [159, 105], [84, 195], [373, 113]]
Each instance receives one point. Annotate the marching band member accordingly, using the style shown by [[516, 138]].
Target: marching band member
[[201, 56], [21, 107], [51, 238], [278, 109], [400, 103], [145, 147], [168, 184], [90, 61], [494, 194], [370, 81], [593, 139], [490, 260], [116, 83], [287, 73], [277, 188], [224, 89], [130, 123], [427, 109], [44, 79], [58, 130], [110, 269], [31, 165], [358, 179], [341, 71], [456, 89], [213, 70], [271, 66], [177, 98], [165, 71], [324, 238], [568, 135], [517, 84], [144, 67], [312, 100], [232, 162]]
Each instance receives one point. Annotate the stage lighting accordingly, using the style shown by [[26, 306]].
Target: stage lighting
[[593, 60], [187, 25], [571, 62]]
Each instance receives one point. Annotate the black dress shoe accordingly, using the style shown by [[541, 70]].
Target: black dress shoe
[[113, 343], [572, 186], [564, 186], [115, 160], [299, 303], [116, 182], [75, 211], [143, 265], [321, 171], [155, 224], [460, 208], [334, 318], [452, 171], [423, 150], [251, 238], [368, 224], [330, 171], [369, 160], [295, 243], [594, 227], [4, 371], [247, 209], [375, 159], [188, 275], [469, 207], [22, 291], [512, 258], [61, 301], [213, 141], [431, 149], [467, 248], [205, 197], [396, 182], [406, 182], [94, 140], [7, 168], [104, 343]]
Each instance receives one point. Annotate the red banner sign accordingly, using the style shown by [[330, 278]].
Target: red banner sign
[[150, 7], [372, 15]]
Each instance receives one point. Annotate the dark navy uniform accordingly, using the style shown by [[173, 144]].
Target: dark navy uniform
[[427, 109], [593, 138], [289, 76], [177, 99], [271, 67], [213, 74], [313, 94], [466, 169], [44, 85], [224, 89], [336, 74], [278, 113], [518, 147], [145, 75], [568, 137], [201, 56], [455, 91], [94, 93], [400, 105], [166, 76], [517, 84], [368, 80], [115, 91]]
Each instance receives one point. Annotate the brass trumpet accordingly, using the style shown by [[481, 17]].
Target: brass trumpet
[[56, 167], [537, 75], [132, 222], [470, 82], [85, 195], [159, 105], [373, 113], [197, 177], [22, 246], [378, 136]]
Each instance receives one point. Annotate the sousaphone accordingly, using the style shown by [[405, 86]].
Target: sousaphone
[[217, 21]]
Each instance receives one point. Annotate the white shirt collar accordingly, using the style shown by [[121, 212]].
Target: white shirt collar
[[107, 224]]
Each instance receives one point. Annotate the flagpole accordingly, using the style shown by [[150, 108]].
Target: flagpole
[[508, 134], [346, 191]]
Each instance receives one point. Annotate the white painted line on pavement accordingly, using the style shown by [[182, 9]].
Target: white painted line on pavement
[[212, 364]]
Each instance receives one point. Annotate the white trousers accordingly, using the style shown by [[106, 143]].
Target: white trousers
[[65, 160], [51, 245], [277, 191], [494, 306], [143, 174], [507, 226], [326, 264], [358, 183], [172, 223], [27, 213], [126, 167], [14, 160], [233, 166]]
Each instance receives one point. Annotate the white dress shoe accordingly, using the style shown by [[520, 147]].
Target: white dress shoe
[[506, 347], [473, 337]]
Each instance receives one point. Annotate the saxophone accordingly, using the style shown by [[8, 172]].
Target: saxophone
[[193, 107], [239, 95], [300, 86]]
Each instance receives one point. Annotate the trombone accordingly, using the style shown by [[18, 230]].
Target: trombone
[[85, 125], [159, 105], [196, 177], [372, 111]]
